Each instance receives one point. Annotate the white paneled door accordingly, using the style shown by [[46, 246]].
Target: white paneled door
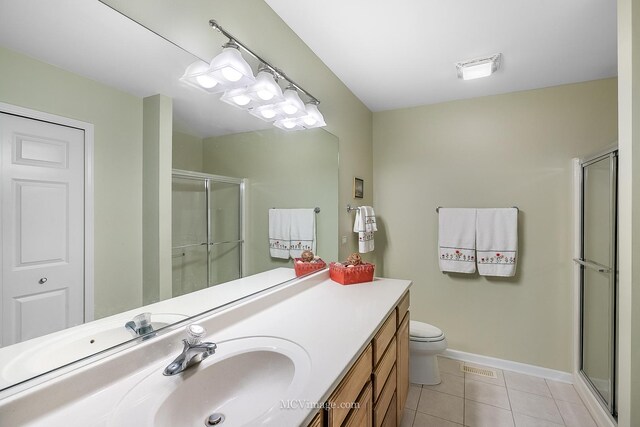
[[42, 227]]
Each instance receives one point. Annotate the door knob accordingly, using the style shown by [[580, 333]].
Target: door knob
[[42, 281]]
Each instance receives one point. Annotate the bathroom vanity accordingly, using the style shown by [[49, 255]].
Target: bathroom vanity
[[301, 353], [378, 381]]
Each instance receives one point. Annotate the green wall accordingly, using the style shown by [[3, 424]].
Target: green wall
[[284, 170], [117, 120], [496, 151]]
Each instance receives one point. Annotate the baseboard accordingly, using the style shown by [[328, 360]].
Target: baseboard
[[599, 414], [508, 365]]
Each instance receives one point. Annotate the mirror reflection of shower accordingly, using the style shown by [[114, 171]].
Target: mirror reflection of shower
[[207, 230]]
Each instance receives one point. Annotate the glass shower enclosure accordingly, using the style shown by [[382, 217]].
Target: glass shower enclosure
[[598, 277], [207, 230]]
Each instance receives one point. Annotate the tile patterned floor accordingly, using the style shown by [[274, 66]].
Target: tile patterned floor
[[510, 400]]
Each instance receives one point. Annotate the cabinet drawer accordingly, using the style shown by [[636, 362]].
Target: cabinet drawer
[[382, 406], [403, 307], [390, 418], [350, 388], [384, 337], [383, 369], [362, 415]]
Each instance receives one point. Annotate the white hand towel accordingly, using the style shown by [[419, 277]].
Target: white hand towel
[[303, 231], [365, 226], [279, 233], [497, 241], [370, 219], [457, 240]]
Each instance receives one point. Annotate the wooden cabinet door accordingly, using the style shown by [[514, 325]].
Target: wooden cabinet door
[[362, 416], [317, 421], [402, 365], [349, 389]]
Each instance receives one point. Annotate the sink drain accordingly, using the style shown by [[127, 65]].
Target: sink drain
[[214, 419]]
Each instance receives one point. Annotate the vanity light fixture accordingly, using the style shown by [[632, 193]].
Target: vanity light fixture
[[268, 113], [478, 67], [288, 124], [292, 106], [262, 95], [266, 88], [314, 118], [265, 91], [237, 97], [230, 69], [196, 76]]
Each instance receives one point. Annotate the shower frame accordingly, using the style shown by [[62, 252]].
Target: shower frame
[[208, 179], [609, 407]]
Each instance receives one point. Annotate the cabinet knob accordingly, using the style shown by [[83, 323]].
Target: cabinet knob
[[42, 281]]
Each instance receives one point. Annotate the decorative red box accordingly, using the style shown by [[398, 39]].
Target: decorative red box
[[303, 268], [351, 275]]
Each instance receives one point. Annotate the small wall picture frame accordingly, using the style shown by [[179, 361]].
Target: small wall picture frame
[[358, 188]]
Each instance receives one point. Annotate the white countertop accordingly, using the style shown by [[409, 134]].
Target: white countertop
[[16, 362], [331, 322]]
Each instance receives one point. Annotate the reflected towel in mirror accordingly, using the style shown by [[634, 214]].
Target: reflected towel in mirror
[[279, 233]]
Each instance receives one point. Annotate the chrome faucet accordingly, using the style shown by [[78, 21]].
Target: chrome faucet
[[141, 325], [194, 351]]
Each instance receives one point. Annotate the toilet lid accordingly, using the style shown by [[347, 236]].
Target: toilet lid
[[420, 331]]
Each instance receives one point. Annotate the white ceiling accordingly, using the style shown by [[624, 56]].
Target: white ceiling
[[402, 53]]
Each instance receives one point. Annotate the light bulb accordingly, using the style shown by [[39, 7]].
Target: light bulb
[[241, 99], [477, 71], [289, 125], [231, 74], [268, 113], [290, 109], [206, 82], [310, 121], [265, 95]]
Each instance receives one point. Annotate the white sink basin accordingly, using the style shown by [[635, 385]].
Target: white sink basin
[[246, 380], [68, 346]]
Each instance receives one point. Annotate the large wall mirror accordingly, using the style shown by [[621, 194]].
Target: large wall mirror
[[182, 183]]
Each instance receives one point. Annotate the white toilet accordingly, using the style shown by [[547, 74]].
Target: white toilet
[[425, 343]]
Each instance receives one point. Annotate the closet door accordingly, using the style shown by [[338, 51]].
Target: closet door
[[42, 227], [598, 278]]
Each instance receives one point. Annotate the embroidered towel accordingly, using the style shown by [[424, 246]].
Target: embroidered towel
[[279, 233], [497, 241], [457, 240], [303, 231], [365, 226]]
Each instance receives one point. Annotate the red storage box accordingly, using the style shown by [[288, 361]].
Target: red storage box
[[303, 268], [351, 275]]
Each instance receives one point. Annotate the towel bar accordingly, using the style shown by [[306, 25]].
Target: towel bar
[[316, 209], [351, 208], [594, 265], [514, 207]]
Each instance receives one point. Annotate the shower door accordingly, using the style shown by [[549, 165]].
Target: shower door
[[225, 243], [189, 235], [207, 230], [598, 277]]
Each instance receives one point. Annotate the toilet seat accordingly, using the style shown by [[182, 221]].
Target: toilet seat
[[424, 332]]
